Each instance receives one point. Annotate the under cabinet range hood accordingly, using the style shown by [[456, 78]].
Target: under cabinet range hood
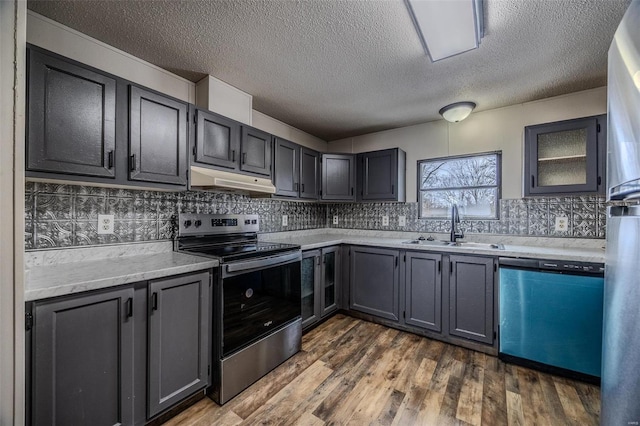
[[208, 179]]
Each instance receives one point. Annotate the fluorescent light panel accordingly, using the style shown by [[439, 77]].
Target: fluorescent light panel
[[447, 27]]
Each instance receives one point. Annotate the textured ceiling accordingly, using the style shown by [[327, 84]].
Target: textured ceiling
[[339, 68]]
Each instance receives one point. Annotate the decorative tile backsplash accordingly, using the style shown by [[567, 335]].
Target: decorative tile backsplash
[[67, 215], [586, 217]]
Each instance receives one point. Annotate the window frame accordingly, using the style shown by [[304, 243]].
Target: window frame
[[498, 184]]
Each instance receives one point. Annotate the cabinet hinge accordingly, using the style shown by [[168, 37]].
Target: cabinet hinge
[[209, 370], [194, 119], [598, 127], [495, 267], [187, 117], [195, 149], [404, 314], [451, 267], [495, 335], [28, 321], [404, 259], [187, 175], [396, 260]]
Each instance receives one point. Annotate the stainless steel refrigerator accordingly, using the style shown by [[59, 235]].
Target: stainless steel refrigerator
[[621, 336]]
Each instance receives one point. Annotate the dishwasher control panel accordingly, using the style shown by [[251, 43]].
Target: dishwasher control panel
[[568, 266]]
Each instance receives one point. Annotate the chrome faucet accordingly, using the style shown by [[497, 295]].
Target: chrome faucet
[[455, 219]]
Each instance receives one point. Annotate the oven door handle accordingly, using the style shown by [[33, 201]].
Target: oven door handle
[[262, 263]]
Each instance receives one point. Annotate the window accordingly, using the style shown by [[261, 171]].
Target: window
[[470, 181]]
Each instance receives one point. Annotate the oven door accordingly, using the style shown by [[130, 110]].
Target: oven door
[[258, 296]]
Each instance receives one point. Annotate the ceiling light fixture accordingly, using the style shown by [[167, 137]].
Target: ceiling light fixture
[[457, 111], [447, 27]]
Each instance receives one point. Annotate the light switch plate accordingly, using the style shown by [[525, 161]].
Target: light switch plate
[[335, 219], [105, 224], [385, 220], [402, 221], [562, 224], [285, 220]]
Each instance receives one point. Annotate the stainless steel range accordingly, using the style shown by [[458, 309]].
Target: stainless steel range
[[256, 303]]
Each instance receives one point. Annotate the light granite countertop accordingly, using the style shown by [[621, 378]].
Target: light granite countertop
[[53, 273], [582, 250]]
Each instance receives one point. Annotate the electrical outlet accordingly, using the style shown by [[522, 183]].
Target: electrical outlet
[[335, 219], [105, 224], [285, 220], [385, 220], [402, 221], [562, 224]]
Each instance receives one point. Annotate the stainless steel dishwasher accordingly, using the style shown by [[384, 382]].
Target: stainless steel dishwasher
[[551, 316]]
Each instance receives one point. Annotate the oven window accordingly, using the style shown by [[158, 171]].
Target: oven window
[[257, 303]]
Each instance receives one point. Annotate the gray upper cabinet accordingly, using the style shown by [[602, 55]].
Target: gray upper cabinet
[[179, 319], [374, 281], [309, 173], [157, 138], [381, 175], [82, 360], [217, 140], [565, 157], [423, 290], [256, 152], [286, 176], [338, 177], [471, 298], [71, 118]]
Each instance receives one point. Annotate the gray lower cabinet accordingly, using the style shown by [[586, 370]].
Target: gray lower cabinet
[[82, 360], [423, 290], [71, 118], [338, 177], [178, 339], [471, 298], [374, 281], [118, 356], [321, 279]]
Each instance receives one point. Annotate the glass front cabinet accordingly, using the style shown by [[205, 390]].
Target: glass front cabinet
[[320, 283], [566, 157]]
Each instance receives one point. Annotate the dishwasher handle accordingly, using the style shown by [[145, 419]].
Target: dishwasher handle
[[519, 263]]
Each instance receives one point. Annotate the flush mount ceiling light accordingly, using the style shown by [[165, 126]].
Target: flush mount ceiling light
[[457, 111], [447, 27]]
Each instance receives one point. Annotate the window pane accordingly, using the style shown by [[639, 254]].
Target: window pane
[[459, 172], [473, 203]]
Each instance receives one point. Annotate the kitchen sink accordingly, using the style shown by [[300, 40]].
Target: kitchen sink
[[462, 244]]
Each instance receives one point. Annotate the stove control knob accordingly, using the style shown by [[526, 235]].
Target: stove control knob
[[187, 223], [197, 223]]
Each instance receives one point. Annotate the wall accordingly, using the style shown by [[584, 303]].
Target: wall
[[12, 107], [497, 129], [67, 215]]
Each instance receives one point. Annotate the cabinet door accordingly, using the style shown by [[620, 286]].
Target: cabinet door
[[423, 291], [309, 173], [330, 280], [378, 175], [82, 357], [562, 157], [71, 118], [374, 282], [179, 327], [256, 151], [217, 140], [286, 173], [338, 177], [310, 281], [471, 298], [157, 138]]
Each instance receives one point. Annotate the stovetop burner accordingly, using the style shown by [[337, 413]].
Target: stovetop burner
[[226, 237]]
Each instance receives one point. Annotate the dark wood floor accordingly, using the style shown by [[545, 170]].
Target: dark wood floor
[[354, 372]]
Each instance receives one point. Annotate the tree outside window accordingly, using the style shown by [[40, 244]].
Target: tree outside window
[[471, 181]]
